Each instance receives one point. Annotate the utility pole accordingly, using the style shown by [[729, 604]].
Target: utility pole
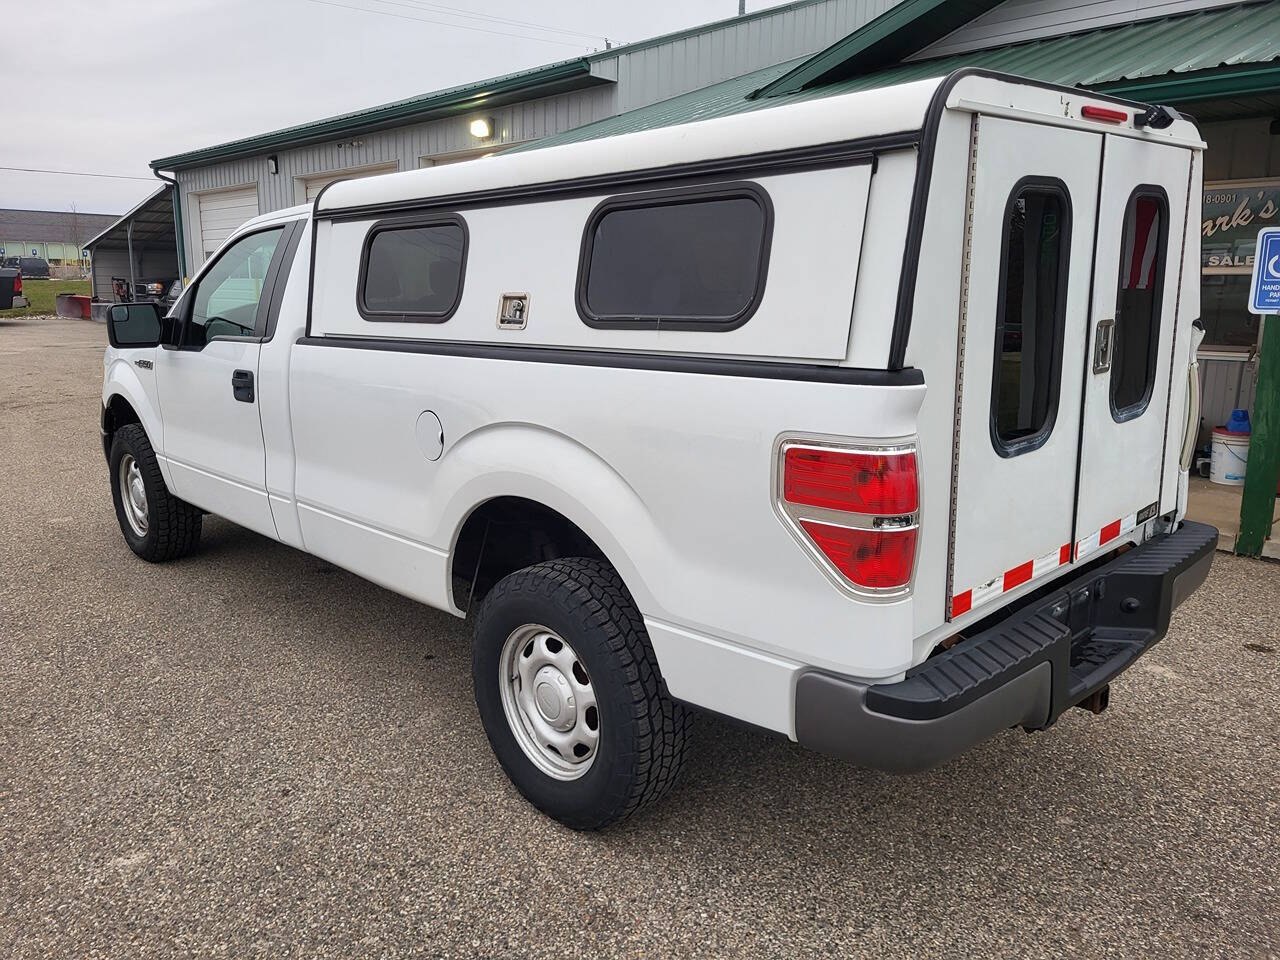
[[742, 7], [75, 236]]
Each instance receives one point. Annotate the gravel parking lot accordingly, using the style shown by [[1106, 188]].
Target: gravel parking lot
[[252, 753]]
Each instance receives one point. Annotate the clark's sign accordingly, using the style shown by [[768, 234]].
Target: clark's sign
[[1230, 219]]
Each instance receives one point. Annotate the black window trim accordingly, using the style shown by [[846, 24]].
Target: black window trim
[[409, 223], [1014, 448], [700, 193], [1135, 410], [180, 313]]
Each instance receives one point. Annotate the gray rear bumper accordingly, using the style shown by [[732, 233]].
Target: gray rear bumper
[[1023, 671]]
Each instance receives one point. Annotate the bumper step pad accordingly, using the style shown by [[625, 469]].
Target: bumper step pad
[[1090, 630]]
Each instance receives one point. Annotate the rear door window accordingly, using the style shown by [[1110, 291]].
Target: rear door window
[[1140, 292], [1032, 308], [688, 259]]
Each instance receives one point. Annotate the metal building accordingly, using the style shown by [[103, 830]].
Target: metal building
[[222, 186], [54, 235]]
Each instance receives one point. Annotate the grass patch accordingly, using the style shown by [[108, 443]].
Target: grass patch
[[41, 293]]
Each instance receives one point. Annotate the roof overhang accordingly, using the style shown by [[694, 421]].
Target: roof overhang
[[1210, 54], [888, 39], [1219, 84], [152, 222], [543, 82]]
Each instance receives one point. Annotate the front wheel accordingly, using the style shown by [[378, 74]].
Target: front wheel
[[156, 524], [570, 696]]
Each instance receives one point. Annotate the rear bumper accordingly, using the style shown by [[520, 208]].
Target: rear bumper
[[1024, 671]]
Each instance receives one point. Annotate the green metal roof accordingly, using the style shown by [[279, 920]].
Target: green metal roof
[[1208, 54], [543, 81]]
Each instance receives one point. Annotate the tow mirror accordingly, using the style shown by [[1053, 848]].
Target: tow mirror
[[133, 324]]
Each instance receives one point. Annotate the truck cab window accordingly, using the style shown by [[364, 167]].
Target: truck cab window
[[1140, 290], [226, 299], [1032, 307]]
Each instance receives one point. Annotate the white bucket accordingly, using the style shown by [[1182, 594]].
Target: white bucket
[[1230, 456]]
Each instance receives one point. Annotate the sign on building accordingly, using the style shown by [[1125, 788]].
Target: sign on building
[[1264, 291], [1230, 218]]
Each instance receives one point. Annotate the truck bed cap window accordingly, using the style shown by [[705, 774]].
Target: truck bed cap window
[[1140, 291], [412, 270], [680, 259], [1032, 308]]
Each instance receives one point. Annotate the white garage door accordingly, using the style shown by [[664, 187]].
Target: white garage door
[[221, 213], [317, 183]]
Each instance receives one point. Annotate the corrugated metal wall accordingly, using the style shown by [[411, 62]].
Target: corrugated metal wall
[[651, 74], [645, 73]]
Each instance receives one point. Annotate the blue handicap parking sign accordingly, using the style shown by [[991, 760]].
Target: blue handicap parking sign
[[1264, 292]]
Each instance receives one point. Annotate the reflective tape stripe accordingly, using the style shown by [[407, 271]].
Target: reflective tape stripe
[[1112, 531], [1011, 579]]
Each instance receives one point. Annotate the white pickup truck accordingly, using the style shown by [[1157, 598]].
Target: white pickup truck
[[862, 420]]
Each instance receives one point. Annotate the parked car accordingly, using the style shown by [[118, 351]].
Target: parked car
[[34, 268], [818, 417], [14, 263], [11, 289]]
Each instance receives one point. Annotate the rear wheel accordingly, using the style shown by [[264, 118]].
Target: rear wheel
[[570, 695], [156, 524]]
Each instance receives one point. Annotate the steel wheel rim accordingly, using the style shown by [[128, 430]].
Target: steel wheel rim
[[133, 495], [549, 702]]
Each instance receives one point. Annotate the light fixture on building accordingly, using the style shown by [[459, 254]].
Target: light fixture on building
[[273, 164], [482, 128]]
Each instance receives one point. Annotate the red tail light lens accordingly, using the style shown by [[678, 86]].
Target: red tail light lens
[[17, 284], [1104, 114], [882, 484], [876, 559]]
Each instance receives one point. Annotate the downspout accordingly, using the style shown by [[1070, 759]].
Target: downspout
[[177, 224], [128, 237]]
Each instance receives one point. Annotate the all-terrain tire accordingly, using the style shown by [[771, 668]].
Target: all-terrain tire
[[173, 525], [642, 732]]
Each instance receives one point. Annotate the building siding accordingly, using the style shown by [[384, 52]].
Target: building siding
[[1016, 20], [645, 73]]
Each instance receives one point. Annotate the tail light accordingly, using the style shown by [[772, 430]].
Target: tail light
[[860, 482], [1092, 111], [856, 510], [17, 285]]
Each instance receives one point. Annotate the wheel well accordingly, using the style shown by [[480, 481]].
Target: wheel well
[[117, 413], [506, 534]]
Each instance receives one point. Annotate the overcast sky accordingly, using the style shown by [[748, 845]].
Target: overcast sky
[[104, 86]]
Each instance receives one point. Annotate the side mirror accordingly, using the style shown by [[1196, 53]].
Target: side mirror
[[133, 324]]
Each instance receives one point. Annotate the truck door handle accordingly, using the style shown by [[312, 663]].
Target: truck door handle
[[1104, 346], [242, 385]]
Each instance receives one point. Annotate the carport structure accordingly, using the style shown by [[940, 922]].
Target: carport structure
[[143, 243]]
